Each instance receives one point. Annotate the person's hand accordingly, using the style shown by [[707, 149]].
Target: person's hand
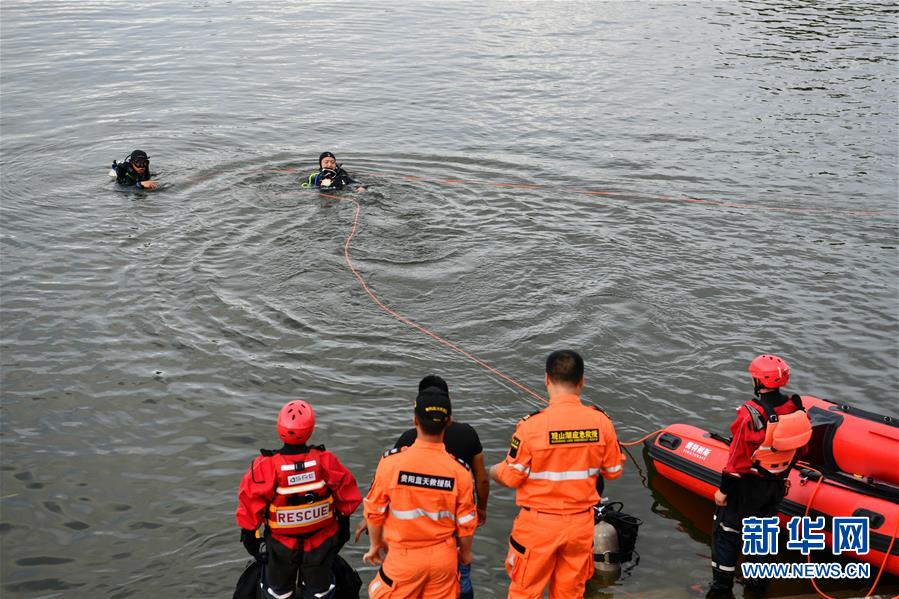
[[375, 555], [250, 541], [148, 184], [465, 556], [720, 498], [482, 516], [362, 528], [360, 189]]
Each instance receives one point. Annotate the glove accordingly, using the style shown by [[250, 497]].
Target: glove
[[250, 541]]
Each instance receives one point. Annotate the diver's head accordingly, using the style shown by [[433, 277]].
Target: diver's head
[[327, 160], [139, 160]]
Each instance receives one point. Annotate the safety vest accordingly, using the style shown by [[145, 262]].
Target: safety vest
[[303, 502], [784, 435]]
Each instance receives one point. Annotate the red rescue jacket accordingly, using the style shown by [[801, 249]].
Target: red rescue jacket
[[298, 491], [749, 430]]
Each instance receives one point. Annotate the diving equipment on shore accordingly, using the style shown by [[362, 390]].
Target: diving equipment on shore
[[614, 536]]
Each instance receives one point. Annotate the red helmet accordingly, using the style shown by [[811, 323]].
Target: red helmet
[[296, 421], [771, 371]]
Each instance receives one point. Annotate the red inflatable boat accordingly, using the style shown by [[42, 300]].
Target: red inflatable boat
[[843, 437], [853, 441]]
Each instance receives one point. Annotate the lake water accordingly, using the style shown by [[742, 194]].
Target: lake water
[[669, 188]]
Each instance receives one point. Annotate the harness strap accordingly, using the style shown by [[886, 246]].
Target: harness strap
[[758, 422]]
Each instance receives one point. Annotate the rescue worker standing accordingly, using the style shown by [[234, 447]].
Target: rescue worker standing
[[768, 433], [301, 492], [555, 459], [462, 442], [421, 500]]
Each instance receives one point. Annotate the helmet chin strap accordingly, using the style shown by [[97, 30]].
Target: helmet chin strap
[[756, 386]]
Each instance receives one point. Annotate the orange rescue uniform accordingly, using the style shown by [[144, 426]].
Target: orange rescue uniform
[[554, 460], [422, 496]]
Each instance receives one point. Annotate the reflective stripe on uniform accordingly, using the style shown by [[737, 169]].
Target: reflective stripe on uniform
[[418, 513], [301, 488], [380, 510], [325, 593], [566, 475], [306, 465], [272, 593], [520, 468], [467, 518], [613, 469], [724, 568]]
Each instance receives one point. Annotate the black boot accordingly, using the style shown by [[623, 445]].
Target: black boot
[[755, 589], [722, 585]]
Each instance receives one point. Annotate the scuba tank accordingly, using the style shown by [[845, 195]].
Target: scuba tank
[[614, 539], [605, 545], [606, 567]]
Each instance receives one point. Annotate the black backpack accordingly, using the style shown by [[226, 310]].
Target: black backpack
[[347, 581], [248, 583]]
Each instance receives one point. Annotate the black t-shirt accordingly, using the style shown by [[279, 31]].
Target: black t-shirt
[[460, 440]]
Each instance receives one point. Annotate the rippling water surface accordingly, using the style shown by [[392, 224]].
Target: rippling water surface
[[669, 188]]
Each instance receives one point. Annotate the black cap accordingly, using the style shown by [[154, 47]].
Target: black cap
[[433, 404], [324, 155], [432, 380], [139, 154]]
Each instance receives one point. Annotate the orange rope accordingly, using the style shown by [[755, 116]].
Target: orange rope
[[655, 197], [422, 329], [640, 440], [886, 556], [409, 322]]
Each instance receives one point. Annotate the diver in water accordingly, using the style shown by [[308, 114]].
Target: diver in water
[[330, 175], [134, 171]]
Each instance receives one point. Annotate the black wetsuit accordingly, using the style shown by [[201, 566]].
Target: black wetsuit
[[338, 179], [126, 175]]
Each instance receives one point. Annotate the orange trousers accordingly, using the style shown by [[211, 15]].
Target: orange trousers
[[422, 573], [550, 549]]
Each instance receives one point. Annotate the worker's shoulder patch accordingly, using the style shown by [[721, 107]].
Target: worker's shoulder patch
[[513, 447], [461, 461], [393, 451]]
